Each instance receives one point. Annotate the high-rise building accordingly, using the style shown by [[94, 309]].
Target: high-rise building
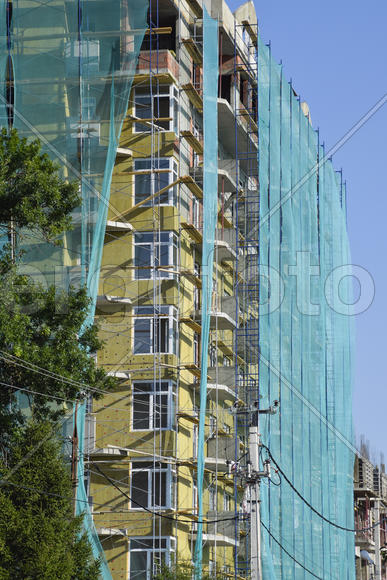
[[212, 240], [149, 303]]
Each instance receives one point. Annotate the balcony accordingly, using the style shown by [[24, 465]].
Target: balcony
[[107, 532], [221, 533], [108, 451], [225, 247], [109, 300], [112, 226], [365, 540], [247, 141], [161, 63], [124, 375], [221, 383], [222, 315], [227, 175], [215, 464], [364, 476], [223, 447]]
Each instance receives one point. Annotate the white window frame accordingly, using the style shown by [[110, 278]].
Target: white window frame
[[147, 241], [212, 497], [168, 313], [169, 549], [169, 391], [172, 94], [213, 355], [143, 167], [195, 499], [151, 470], [226, 501], [195, 442]]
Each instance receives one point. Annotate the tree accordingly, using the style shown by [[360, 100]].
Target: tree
[[39, 538], [44, 331], [32, 194], [45, 355], [38, 326]]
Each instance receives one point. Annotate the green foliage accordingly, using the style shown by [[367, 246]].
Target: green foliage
[[31, 192], [43, 329], [39, 538]]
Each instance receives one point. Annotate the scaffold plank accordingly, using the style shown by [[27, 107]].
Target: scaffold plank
[[194, 96], [192, 186], [193, 232], [193, 141], [193, 50]]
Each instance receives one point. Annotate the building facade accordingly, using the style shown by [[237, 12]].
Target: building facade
[[118, 93], [144, 437], [370, 495]]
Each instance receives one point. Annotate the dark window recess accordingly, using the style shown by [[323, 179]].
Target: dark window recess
[[225, 87], [140, 488], [160, 41], [153, 406]]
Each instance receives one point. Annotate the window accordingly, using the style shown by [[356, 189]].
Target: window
[[195, 442], [194, 497], [213, 356], [196, 294], [154, 251], [212, 497], [147, 554], [152, 485], [155, 330], [159, 108], [150, 180], [195, 212], [196, 349], [198, 134], [226, 428], [153, 405], [212, 425], [226, 502]]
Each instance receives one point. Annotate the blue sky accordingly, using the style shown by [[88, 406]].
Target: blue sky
[[336, 54]]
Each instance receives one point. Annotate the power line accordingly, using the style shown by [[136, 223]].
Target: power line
[[37, 393], [50, 374], [154, 513], [345, 529], [289, 554]]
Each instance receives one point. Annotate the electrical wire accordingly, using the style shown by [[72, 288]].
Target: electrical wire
[[289, 554], [345, 529], [154, 513], [37, 393], [45, 372]]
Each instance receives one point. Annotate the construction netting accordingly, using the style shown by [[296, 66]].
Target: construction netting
[[66, 71], [305, 337], [210, 204]]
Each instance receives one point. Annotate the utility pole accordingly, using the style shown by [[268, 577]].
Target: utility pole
[[255, 515], [254, 475], [74, 460]]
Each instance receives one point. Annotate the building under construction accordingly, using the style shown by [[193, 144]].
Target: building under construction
[[212, 239]]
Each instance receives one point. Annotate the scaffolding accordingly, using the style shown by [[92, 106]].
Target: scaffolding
[[164, 457]]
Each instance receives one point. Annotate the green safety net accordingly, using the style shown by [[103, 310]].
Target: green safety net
[[73, 65], [210, 204], [305, 337]]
